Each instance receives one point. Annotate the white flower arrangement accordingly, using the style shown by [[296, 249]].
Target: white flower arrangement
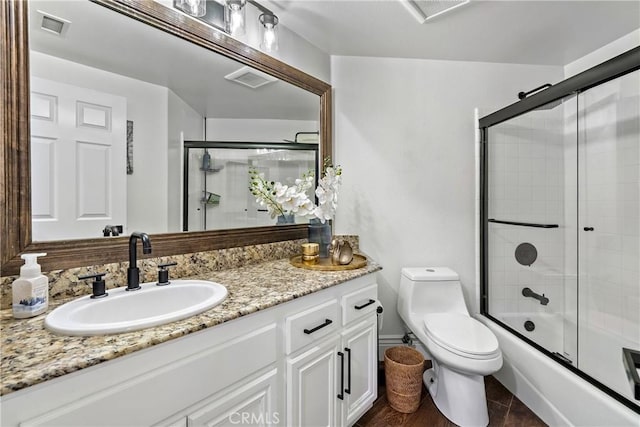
[[280, 199], [327, 192]]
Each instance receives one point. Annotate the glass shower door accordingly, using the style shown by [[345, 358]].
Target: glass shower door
[[560, 223], [530, 202], [609, 229]]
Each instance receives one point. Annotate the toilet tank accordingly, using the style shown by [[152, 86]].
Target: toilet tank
[[430, 290]]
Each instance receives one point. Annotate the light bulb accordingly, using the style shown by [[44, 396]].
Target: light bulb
[[269, 39], [195, 8], [269, 30], [235, 14], [237, 22]]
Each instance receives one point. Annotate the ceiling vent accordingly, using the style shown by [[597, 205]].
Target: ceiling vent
[[249, 77], [53, 24], [423, 10]]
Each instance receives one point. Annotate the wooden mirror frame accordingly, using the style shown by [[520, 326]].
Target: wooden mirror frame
[[15, 177]]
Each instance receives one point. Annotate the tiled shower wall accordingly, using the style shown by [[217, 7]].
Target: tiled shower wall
[[526, 184]]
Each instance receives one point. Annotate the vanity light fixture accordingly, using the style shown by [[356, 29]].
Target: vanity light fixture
[[424, 10], [230, 16], [196, 8], [235, 14], [269, 32]]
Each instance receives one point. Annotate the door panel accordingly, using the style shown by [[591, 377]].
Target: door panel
[[312, 387], [360, 375], [609, 229], [43, 154]]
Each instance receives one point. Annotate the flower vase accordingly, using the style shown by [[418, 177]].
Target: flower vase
[[286, 219], [321, 234]]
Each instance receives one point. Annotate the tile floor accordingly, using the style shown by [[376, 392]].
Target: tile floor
[[505, 410]]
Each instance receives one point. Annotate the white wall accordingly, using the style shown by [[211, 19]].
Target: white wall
[[147, 107], [259, 130], [404, 134], [605, 53], [185, 124]]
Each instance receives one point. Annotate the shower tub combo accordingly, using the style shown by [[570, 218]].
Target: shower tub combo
[[560, 244]]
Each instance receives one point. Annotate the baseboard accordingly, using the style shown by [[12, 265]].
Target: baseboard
[[388, 341]]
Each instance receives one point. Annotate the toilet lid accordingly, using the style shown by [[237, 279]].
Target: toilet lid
[[461, 333]]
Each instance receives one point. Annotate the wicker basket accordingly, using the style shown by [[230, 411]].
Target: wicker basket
[[403, 367]]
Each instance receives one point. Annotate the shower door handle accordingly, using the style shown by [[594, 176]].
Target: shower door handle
[[588, 229]]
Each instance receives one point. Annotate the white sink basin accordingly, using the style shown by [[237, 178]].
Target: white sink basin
[[124, 311]]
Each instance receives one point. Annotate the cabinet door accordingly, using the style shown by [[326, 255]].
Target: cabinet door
[[359, 347], [250, 404], [313, 385]]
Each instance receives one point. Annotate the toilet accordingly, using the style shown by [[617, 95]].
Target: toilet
[[462, 350]]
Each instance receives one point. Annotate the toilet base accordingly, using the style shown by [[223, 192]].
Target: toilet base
[[461, 398]]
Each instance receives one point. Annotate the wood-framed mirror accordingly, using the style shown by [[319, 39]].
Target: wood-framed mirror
[[15, 195]]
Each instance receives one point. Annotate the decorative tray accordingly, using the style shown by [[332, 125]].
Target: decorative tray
[[324, 264]]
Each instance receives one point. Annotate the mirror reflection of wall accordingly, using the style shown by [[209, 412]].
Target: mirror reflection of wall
[[172, 91]]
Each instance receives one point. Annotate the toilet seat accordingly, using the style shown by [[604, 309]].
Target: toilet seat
[[461, 334]]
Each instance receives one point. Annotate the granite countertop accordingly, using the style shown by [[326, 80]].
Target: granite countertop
[[31, 354]]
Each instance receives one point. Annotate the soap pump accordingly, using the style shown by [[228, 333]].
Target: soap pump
[[31, 289]]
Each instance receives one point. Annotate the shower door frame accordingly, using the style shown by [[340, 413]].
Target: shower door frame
[[614, 68]]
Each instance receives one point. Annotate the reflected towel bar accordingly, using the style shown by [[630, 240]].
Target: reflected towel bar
[[523, 224]]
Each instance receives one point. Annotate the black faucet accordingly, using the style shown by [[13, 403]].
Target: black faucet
[[527, 292], [133, 272]]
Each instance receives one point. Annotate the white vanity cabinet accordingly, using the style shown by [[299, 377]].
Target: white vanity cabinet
[[332, 380], [259, 369]]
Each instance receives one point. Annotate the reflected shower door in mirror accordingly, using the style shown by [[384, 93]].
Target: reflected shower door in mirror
[[216, 181], [112, 101]]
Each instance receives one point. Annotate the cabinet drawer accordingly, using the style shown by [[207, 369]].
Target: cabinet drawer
[[359, 303], [309, 325]]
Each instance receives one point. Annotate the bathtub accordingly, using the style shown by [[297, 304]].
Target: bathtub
[[557, 395]]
